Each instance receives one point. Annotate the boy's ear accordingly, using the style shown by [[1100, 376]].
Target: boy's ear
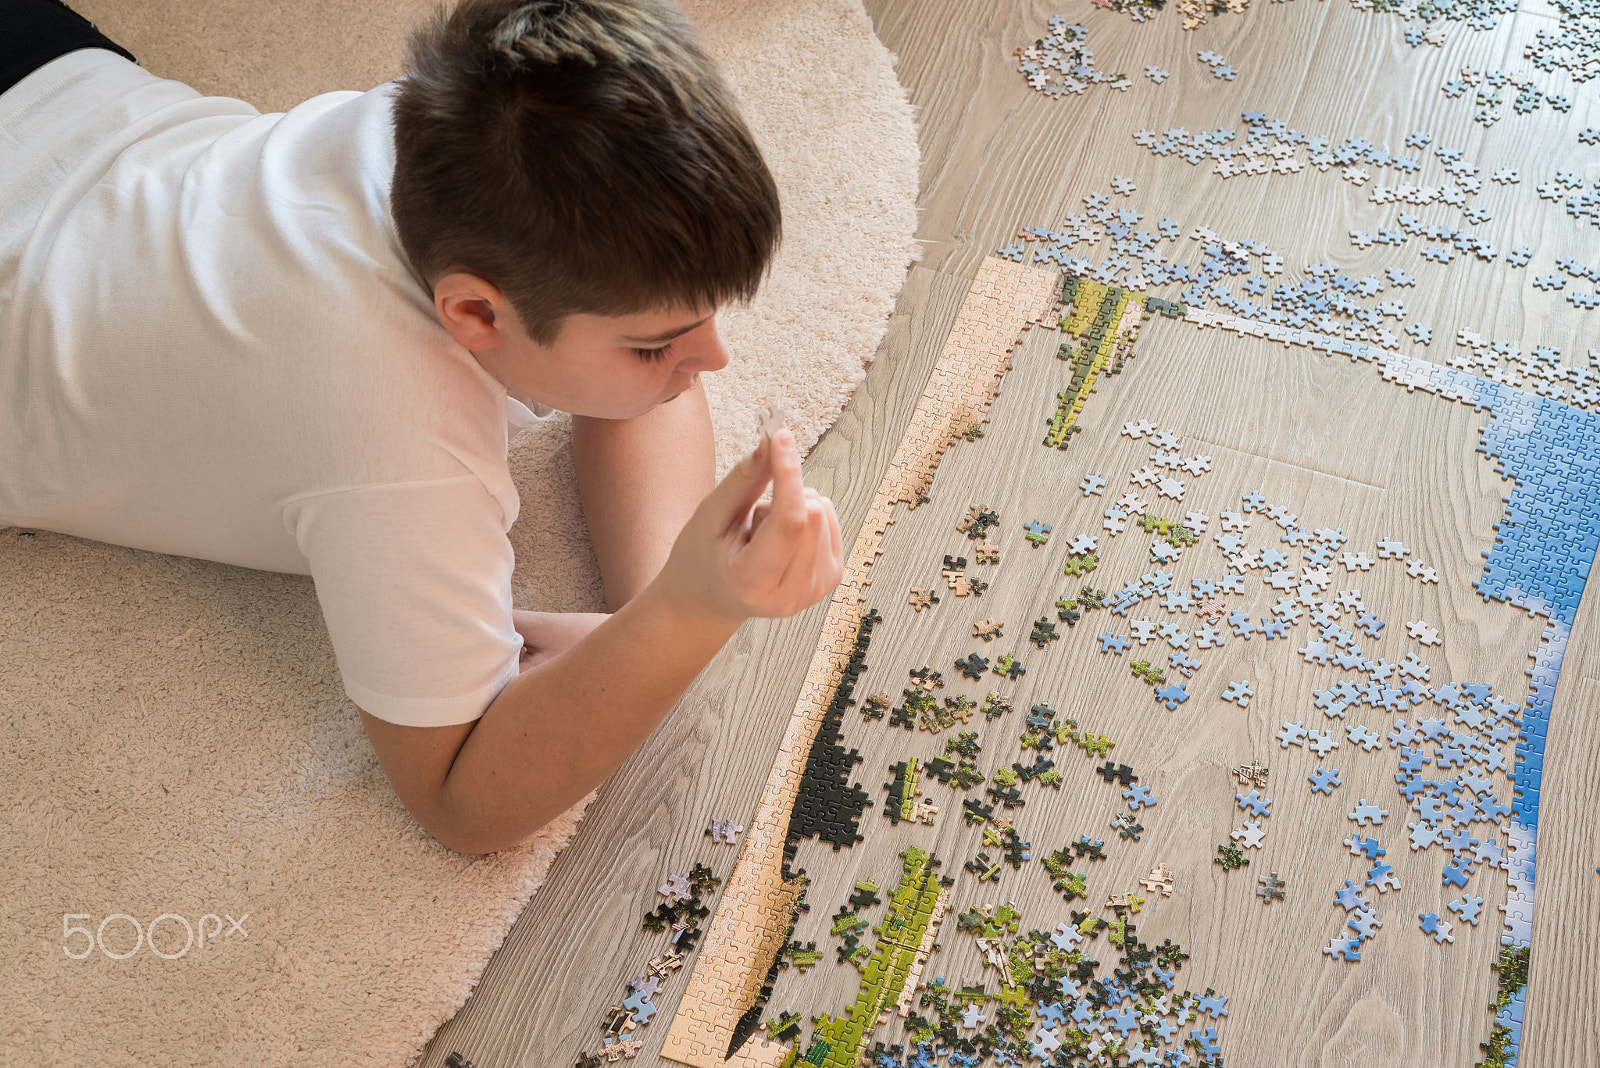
[[471, 309]]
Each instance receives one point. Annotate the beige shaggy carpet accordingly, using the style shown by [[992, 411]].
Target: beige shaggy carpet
[[174, 739]]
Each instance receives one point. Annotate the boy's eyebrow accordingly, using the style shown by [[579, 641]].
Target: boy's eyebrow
[[669, 335]]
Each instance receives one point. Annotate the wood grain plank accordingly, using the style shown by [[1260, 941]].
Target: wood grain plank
[[1563, 993]]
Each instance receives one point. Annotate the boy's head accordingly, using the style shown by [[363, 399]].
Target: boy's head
[[581, 156]]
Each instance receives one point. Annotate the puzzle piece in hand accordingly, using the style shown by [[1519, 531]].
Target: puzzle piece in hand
[[773, 419]]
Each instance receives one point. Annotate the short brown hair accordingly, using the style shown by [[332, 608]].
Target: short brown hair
[[581, 155]]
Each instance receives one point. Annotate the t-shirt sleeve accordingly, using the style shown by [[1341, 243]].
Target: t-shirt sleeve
[[414, 580]]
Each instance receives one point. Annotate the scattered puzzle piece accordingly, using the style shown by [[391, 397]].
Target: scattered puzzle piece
[[1365, 813], [1433, 925], [1423, 633], [1239, 692], [1271, 888]]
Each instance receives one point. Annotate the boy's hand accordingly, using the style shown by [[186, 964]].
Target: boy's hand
[[736, 558], [544, 634]]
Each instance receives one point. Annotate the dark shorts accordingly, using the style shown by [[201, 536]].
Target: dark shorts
[[33, 32]]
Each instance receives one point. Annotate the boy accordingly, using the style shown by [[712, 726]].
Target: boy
[[295, 342]]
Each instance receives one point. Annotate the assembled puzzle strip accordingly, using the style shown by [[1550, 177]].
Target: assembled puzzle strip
[[756, 906]]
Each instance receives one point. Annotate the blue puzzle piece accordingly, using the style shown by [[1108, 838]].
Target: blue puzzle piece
[[1254, 803], [1346, 949], [1172, 695], [1350, 897], [1113, 643], [640, 1006], [1138, 797]]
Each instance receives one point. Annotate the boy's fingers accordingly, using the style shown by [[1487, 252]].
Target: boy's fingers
[[829, 568], [784, 520], [800, 577], [788, 491], [741, 488], [835, 543]]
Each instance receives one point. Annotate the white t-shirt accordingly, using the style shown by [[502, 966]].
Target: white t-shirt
[[211, 345]]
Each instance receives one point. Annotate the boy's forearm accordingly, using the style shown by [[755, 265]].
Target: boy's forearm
[[640, 479], [560, 728]]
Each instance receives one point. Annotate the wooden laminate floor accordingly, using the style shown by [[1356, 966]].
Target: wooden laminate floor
[[1328, 439]]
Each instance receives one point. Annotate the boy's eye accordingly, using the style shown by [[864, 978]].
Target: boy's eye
[[653, 355]]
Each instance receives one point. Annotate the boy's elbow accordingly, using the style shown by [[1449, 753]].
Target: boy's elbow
[[458, 840], [418, 762]]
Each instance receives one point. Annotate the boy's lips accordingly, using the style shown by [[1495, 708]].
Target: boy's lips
[[694, 380]]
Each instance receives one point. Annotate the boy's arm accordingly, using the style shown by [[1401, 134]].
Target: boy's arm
[[640, 480], [554, 733], [562, 726]]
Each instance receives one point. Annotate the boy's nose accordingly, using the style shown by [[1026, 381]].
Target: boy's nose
[[710, 354]]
